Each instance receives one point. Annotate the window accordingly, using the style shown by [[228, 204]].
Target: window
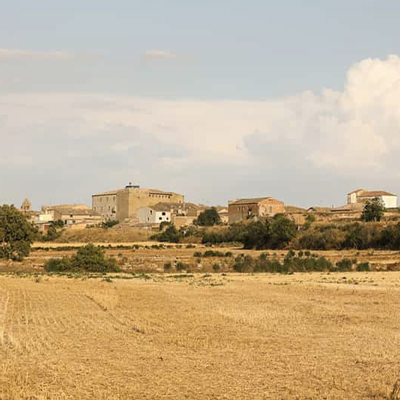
[[270, 209], [163, 213], [160, 218]]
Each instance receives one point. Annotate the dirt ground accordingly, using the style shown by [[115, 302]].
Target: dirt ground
[[200, 336]]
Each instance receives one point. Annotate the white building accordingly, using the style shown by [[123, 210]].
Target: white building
[[153, 215], [389, 200]]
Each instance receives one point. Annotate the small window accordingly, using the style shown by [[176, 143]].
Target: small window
[[163, 213], [160, 218]]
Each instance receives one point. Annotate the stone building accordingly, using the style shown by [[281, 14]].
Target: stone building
[[389, 200], [243, 209], [124, 203]]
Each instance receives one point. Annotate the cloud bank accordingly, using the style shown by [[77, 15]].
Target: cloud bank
[[306, 149]]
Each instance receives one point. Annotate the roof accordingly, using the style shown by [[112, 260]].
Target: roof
[[162, 206], [375, 193], [371, 193], [159, 207], [68, 206], [349, 208], [356, 191], [109, 193], [294, 209], [77, 211], [320, 209], [254, 200]]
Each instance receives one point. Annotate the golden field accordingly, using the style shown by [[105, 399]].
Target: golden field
[[200, 336]]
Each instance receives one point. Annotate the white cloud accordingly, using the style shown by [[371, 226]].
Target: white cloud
[[354, 133], [159, 55], [16, 54]]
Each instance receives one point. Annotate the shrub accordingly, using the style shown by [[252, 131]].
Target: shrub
[[180, 266], [170, 234], [167, 266], [89, 258], [344, 265], [243, 264], [109, 224], [216, 267], [363, 267]]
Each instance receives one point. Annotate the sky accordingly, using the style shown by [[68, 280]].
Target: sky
[[217, 100]]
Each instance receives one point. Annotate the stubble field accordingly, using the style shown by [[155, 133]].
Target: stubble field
[[200, 336]]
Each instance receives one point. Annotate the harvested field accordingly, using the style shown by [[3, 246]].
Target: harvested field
[[151, 256], [306, 336]]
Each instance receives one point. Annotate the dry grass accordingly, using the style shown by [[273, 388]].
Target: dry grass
[[113, 235], [305, 336]]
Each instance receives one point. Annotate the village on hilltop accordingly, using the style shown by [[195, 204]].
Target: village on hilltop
[[148, 208]]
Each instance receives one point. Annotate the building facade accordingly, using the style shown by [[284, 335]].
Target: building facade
[[125, 203], [153, 215], [389, 200], [243, 209]]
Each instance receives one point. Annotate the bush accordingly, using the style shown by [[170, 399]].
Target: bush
[[216, 267], [363, 267], [170, 234], [390, 237], [344, 265], [109, 224], [89, 258], [180, 266], [167, 266], [243, 264]]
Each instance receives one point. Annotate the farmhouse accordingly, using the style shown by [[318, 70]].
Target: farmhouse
[[243, 209], [124, 203], [361, 196]]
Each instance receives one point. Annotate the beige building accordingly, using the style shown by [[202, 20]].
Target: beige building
[[389, 200], [243, 209], [124, 203], [72, 215]]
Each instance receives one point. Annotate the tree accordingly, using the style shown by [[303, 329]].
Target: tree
[[373, 210], [16, 234], [209, 217], [283, 230]]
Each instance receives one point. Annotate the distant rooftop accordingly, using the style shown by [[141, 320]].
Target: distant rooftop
[[251, 200]]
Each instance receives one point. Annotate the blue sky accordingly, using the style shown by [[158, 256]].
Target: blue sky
[[278, 92]]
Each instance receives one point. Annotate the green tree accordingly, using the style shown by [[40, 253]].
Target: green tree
[[209, 217], [16, 234], [373, 210], [283, 230]]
